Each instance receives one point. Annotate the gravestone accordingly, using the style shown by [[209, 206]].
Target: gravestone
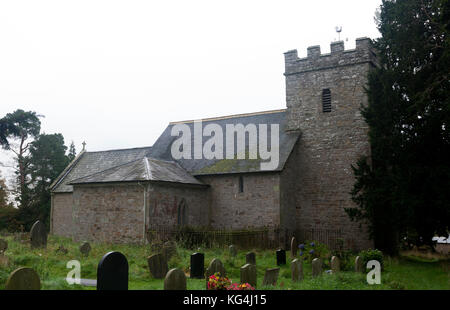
[[233, 250], [112, 272], [316, 267], [294, 247], [359, 264], [157, 264], [168, 250], [248, 274], [335, 264], [85, 248], [175, 280], [4, 260], [250, 258], [271, 276], [23, 279], [197, 265], [3, 246], [281, 257], [214, 266], [297, 270], [38, 235]]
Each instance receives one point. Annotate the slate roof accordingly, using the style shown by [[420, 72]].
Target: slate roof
[[162, 147], [144, 169], [88, 163], [156, 163]]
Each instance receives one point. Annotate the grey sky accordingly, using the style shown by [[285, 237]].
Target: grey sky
[[115, 73]]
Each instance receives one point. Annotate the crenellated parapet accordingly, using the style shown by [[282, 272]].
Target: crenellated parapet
[[363, 53]]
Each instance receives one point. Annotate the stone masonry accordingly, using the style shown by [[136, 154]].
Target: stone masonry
[[330, 142]]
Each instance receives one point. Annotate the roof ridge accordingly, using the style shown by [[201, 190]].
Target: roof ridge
[[117, 150], [147, 167], [229, 116]]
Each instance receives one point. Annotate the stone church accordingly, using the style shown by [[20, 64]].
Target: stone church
[[118, 195]]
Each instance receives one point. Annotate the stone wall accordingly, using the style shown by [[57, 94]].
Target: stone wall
[[61, 217], [330, 142], [256, 207], [165, 199]]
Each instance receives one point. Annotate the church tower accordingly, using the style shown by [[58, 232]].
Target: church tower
[[324, 93]]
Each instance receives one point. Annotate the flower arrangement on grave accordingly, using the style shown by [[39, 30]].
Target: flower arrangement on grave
[[216, 282], [310, 250]]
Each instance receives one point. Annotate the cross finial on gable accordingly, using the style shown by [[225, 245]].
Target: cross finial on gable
[[84, 145]]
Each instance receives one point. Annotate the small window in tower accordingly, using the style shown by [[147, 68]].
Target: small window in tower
[[326, 100], [241, 184]]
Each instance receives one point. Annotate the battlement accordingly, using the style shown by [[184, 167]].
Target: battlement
[[363, 53]]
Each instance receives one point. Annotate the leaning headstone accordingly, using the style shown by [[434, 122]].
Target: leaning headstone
[[112, 272], [233, 250], [297, 270], [38, 235], [23, 279], [85, 248], [335, 264], [250, 258], [248, 274], [175, 280], [316, 267], [281, 257], [197, 265], [3, 245], [294, 247], [358, 264], [157, 264], [271, 276]]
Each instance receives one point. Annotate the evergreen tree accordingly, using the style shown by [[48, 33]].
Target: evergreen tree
[[72, 152], [403, 189]]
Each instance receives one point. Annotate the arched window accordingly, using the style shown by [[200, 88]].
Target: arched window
[[182, 211]]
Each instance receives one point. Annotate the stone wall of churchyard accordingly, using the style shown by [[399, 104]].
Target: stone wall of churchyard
[[61, 214], [173, 205], [330, 142], [109, 213], [257, 206]]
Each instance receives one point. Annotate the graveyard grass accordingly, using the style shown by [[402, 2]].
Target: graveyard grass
[[398, 273]]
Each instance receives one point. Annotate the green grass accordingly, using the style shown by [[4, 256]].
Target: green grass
[[398, 273]]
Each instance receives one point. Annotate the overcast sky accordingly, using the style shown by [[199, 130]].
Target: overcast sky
[[115, 73]]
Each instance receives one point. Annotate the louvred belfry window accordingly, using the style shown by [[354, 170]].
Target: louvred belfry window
[[326, 100]]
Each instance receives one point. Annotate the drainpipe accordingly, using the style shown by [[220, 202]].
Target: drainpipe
[[144, 232]]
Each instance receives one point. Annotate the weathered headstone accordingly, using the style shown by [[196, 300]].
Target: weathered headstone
[[281, 257], [297, 270], [358, 264], [233, 250], [271, 276], [112, 272], [250, 258], [248, 274], [168, 250], [197, 265], [335, 264], [214, 266], [3, 245], [157, 264], [4, 260], [294, 247], [316, 267], [175, 280], [38, 235], [23, 279], [85, 248]]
